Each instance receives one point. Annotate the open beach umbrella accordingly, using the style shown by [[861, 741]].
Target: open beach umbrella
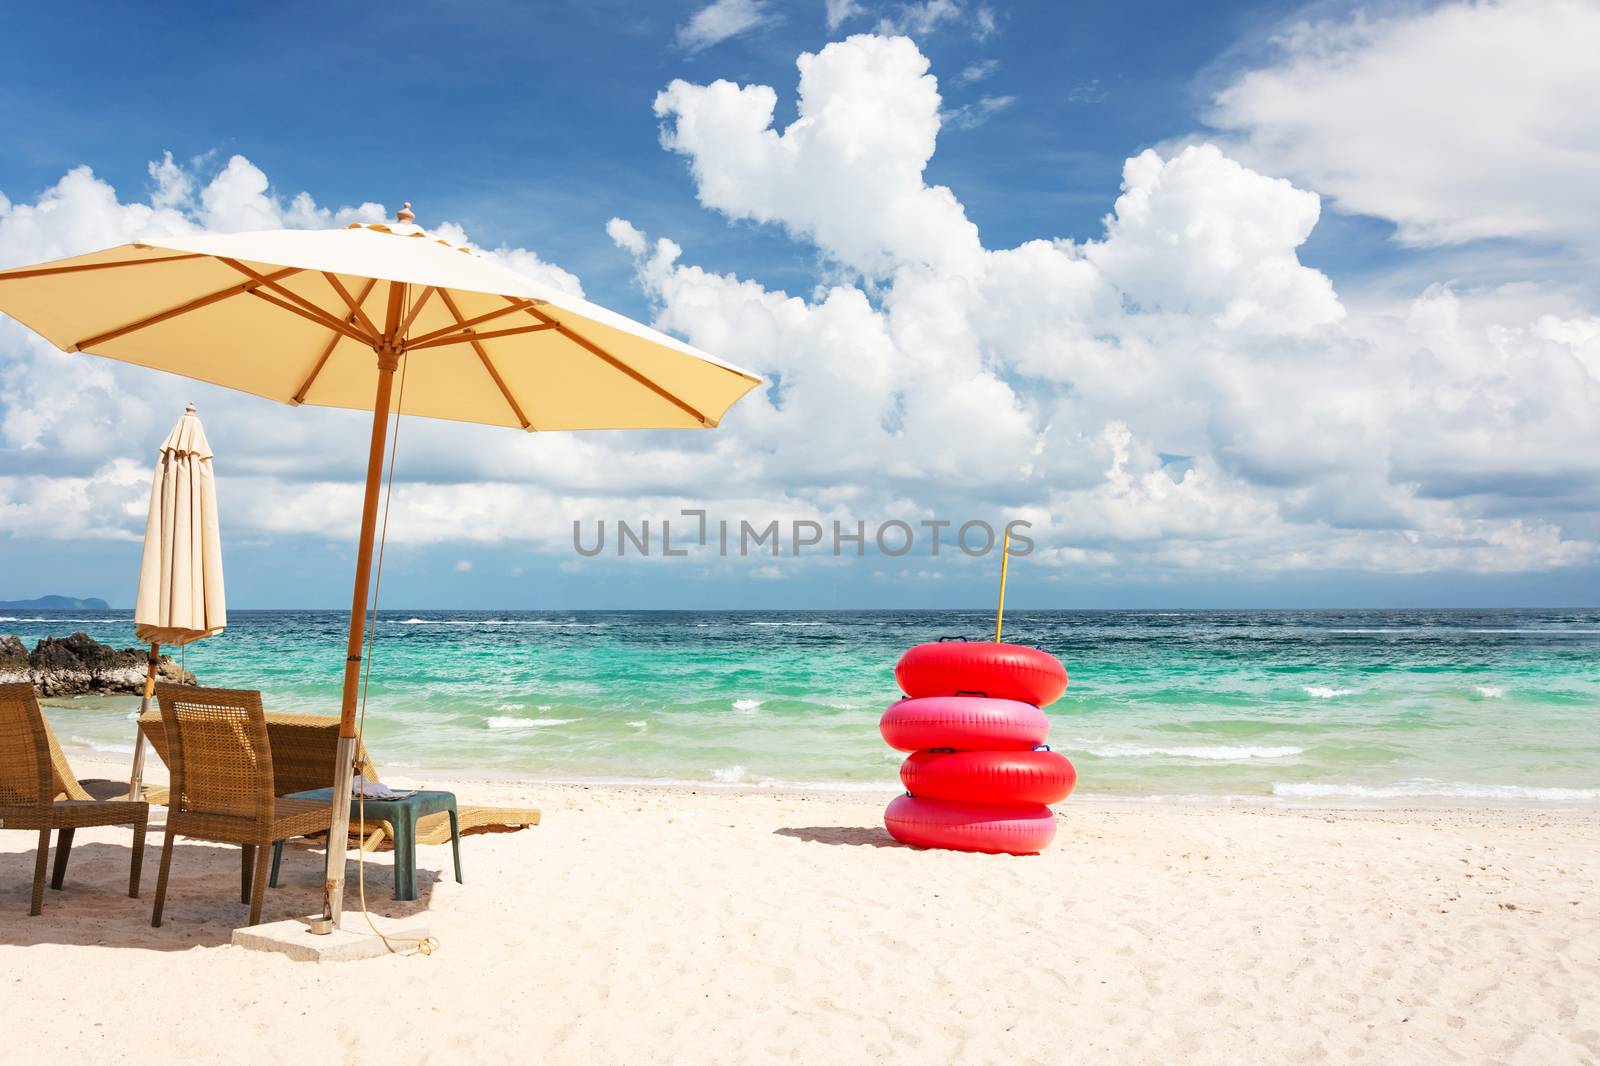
[[327, 317], [180, 575]]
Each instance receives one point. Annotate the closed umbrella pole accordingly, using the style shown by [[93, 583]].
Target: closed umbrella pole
[[136, 775]]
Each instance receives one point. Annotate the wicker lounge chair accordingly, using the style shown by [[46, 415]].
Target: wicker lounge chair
[[304, 749], [222, 786], [33, 774]]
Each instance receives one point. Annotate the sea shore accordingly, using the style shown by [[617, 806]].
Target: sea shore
[[678, 923]]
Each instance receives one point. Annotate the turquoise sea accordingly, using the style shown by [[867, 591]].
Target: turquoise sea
[[1499, 705]]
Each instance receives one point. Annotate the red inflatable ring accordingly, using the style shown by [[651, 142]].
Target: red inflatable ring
[[963, 722], [1001, 671], [989, 776], [1009, 828]]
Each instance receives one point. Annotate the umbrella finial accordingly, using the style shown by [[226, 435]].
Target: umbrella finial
[[188, 408], [405, 214]]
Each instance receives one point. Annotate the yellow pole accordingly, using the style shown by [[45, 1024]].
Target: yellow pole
[[1005, 559]]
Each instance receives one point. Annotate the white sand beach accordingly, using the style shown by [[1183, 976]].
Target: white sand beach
[[676, 924]]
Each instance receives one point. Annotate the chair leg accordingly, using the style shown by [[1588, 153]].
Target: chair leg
[[38, 873], [138, 859], [455, 841], [161, 878], [63, 849], [259, 889], [247, 861], [277, 859]]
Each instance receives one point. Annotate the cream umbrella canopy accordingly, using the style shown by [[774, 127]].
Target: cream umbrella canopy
[[326, 317], [180, 575]]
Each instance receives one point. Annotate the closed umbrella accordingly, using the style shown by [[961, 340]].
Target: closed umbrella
[[180, 576], [329, 316]]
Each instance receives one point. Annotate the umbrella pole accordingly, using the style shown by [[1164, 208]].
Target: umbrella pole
[[136, 775], [1005, 559], [344, 766]]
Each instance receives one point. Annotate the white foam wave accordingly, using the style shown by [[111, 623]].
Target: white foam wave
[[640, 724], [100, 621], [108, 748], [1433, 789], [502, 722], [746, 705], [1214, 752], [1325, 692], [728, 775], [496, 622], [1490, 692], [786, 623]]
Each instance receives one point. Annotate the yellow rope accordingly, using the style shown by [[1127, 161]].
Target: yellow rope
[[423, 945]]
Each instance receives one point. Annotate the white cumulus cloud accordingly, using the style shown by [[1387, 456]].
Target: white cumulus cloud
[[1455, 121], [718, 21]]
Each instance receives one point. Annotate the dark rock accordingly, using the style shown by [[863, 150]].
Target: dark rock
[[78, 664]]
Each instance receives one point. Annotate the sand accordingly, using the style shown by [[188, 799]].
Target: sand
[[643, 925]]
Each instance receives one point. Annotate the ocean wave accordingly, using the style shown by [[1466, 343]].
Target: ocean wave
[[1325, 692], [1213, 752], [494, 622], [502, 722], [1528, 630], [747, 705], [97, 621], [1489, 692], [1434, 790], [786, 623], [641, 724], [105, 747], [728, 775]]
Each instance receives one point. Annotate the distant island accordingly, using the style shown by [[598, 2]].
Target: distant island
[[56, 603]]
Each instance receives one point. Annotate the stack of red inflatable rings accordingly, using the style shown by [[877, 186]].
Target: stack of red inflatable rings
[[979, 778]]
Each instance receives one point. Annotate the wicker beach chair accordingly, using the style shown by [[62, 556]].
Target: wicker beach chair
[[304, 751], [33, 773], [222, 787]]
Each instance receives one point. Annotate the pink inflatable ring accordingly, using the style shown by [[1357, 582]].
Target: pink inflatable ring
[[1005, 828], [1001, 671], [963, 722], [989, 776]]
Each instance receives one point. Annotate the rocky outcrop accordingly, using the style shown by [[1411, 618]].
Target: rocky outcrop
[[79, 664]]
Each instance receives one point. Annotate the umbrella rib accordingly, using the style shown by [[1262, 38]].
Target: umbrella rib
[[185, 308], [472, 336], [41, 272], [306, 308], [516, 305], [488, 364], [329, 323], [595, 350], [305, 386], [355, 305], [416, 308]]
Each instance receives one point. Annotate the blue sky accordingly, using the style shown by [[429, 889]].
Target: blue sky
[[532, 126], [533, 122]]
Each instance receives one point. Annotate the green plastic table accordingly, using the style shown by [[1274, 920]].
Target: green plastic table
[[403, 815]]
